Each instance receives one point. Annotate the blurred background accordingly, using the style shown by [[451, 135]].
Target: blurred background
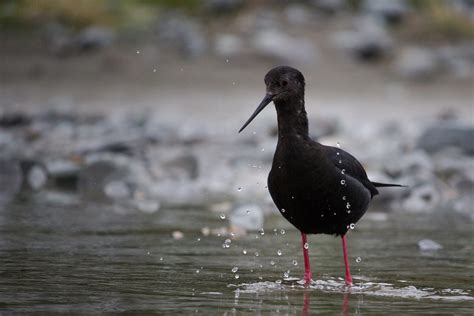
[[165, 85], [121, 117]]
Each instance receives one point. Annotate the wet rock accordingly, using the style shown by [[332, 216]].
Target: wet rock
[[14, 119], [416, 63], [228, 45], [98, 174], [422, 198], [155, 132], [183, 167], [183, 33], [273, 44], [429, 245], [247, 216], [94, 37], [34, 175], [148, 206], [11, 179], [452, 164], [117, 190], [441, 136], [392, 11], [63, 173], [367, 41]]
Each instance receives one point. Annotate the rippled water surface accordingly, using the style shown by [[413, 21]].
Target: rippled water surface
[[103, 259]]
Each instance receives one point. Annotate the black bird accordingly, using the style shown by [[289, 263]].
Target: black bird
[[319, 189]]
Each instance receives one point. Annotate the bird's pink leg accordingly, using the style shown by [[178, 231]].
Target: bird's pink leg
[[307, 269], [346, 261]]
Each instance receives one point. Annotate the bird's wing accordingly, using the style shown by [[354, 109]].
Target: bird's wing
[[349, 165]]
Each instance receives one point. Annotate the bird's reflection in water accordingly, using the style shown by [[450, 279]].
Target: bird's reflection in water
[[307, 303]]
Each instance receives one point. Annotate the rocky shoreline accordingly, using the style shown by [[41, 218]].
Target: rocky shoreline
[[138, 162]]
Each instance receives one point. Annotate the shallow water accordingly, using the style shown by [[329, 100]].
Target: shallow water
[[62, 256]]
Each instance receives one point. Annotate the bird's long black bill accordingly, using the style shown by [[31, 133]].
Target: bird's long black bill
[[267, 99]]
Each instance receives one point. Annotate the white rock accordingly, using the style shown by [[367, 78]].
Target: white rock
[[429, 245]]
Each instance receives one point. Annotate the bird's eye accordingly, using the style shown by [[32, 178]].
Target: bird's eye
[[284, 83]]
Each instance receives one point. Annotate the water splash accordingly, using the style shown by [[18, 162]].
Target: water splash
[[365, 288]]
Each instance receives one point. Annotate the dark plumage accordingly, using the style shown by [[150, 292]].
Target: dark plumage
[[319, 189]]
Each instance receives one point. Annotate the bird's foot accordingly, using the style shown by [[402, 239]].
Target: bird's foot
[[349, 281], [308, 278]]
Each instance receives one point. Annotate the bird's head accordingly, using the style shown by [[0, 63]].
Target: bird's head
[[283, 84]]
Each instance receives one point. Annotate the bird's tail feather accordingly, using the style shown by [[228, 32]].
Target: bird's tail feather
[[380, 185]]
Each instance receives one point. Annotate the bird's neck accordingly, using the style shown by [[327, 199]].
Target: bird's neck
[[292, 119]]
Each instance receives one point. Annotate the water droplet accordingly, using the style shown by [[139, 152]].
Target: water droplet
[[282, 231], [198, 239], [235, 269], [154, 70], [254, 133], [138, 52], [272, 263], [257, 254], [283, 210], [352, 226], [306, 245], [338, 153], [343, 182], [244, 251], [295, 263], [197, 271], [233, 83], [292, 197], [263, 149], [335, 213], [227, 60], [358, 259], [226, 243], [262, 231], [222, 216], [340, 161], [348, 211], [148, 253], [236, 276], [248, 212], [343, 171], [322, 215], [239, 189], [286, 274], [338, 144], [161, 258], [344, 198], [348, 205], [279, 252], [278, 281]]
